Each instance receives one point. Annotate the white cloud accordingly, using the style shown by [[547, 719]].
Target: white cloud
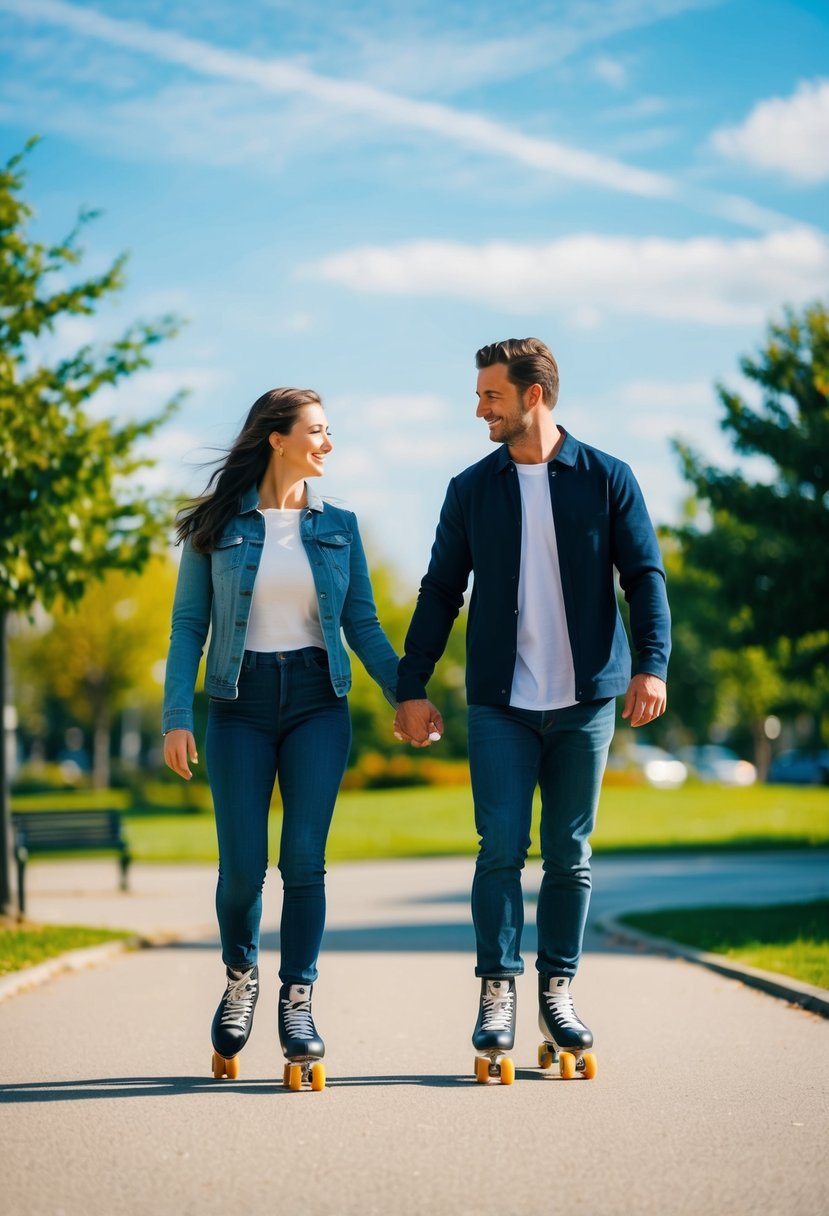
[[384, 108], [708, 280], [610, 71], [784, 134]]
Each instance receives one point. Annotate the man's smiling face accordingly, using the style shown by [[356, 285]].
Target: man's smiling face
[[500, 404]]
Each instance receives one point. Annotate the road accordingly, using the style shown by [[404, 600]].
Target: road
[[711, 1097]]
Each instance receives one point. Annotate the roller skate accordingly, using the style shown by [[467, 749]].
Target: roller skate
[[233, 1021], [566, 1038], [301, 1045], [494, 1032]]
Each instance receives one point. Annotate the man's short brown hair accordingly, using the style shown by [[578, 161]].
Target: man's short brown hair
[[528, 361]]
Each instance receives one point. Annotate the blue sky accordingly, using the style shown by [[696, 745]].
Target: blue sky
[[355, 197]]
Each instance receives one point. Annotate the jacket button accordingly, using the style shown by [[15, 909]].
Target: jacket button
[[323, 595]]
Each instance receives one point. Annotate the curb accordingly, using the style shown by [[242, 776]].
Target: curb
[[74, 960], [809, 997]]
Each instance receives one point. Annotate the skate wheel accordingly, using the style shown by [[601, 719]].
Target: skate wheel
[[545, 1057], [507, 1071], [317, 1077], [481, 1070], [217, 1063], [294, 1077], [286, 1075], [590, 1066], [567, 1065]]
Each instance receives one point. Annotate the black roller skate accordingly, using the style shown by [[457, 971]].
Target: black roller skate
[[566, 1038], [494, 1032], [301, 1045], [233, 1021]]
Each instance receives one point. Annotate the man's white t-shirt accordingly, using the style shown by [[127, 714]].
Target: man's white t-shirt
[[544, 675], [284, 613]]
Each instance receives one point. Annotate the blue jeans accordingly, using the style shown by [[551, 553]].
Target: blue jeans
[[511, 751], [287, 723]]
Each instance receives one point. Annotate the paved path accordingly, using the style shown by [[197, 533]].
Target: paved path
[[711, 1098]]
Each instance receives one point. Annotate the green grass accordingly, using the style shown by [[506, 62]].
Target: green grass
[[432, 821], [25, 945], [436, 821], [789, 939]]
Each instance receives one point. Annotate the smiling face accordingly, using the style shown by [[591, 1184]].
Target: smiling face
[[306, 445], [501, 405]]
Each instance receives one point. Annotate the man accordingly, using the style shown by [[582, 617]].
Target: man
[[541, 523]]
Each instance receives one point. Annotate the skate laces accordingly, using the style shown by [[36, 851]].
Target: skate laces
[[497, 1010], [296, 1015], [561, 1007], [238, 1000]]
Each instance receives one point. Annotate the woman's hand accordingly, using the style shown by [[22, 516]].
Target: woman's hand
[[179, 747]]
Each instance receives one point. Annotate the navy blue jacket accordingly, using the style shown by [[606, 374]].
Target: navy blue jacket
[[601, 522]]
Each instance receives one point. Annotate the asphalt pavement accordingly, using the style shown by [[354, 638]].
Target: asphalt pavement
[[711, 1097]]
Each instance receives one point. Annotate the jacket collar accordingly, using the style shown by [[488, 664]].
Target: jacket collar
[[566, 454], [250, 500]]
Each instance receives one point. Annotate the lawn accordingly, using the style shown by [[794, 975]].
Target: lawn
[[790, 939], [27, 944], [435, 821]]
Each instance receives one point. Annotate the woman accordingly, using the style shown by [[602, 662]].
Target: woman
[[275, 573]]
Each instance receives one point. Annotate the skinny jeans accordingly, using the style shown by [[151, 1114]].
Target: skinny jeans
[[511, 751], [287, 724]]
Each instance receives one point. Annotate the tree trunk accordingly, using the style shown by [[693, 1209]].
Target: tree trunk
[[5, 776], [762, 749], [100, 749]]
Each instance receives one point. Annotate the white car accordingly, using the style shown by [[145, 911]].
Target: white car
[[659, 768], [710, 762]]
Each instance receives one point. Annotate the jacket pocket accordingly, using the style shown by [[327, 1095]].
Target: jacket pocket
[[227, 554], [336, 548]]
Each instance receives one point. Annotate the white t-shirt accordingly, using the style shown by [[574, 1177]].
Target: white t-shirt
[[544, 675], [284, 613]]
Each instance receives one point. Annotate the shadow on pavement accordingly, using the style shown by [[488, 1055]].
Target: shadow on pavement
[[27, 1093]]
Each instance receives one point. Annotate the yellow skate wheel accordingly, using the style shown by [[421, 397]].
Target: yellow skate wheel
[[507, 1071], [567, 1065], [318, 1076], [232, 1068], [286, 1075], [295, 1077], [218, 1066], [481, 1070], [590, 1066], [545, 1056]]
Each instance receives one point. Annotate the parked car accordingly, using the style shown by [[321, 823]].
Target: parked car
[[711, 762], [799, 768], [659, 768]]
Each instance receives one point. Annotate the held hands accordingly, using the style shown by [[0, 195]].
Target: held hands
[[179, 747], [645, 699], [418, 723]]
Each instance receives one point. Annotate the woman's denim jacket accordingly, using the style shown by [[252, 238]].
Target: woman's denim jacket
[[214, 590]]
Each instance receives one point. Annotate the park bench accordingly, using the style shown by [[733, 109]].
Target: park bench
[[66, 832]]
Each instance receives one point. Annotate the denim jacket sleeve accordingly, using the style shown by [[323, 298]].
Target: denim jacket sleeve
[[191, 621], [362, 629]]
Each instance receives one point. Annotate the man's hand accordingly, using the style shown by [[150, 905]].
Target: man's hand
[[417, 722], [179, 747], [645, 700]]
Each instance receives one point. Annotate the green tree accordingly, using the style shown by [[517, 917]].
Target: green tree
[[762, 542], [69, 509], [101, 657]]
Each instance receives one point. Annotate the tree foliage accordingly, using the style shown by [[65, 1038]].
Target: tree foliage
[[68, 510], [765, 540]]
